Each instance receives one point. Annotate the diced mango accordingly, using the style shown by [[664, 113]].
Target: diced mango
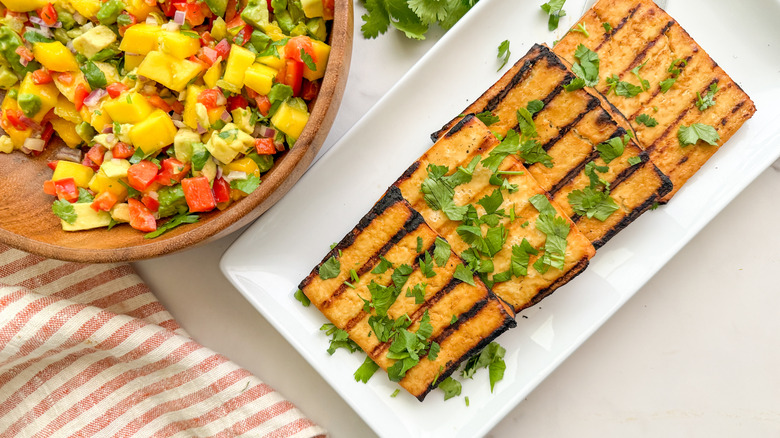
[[273, 61], [213, 74], [121, 212], [99, 118], [190, 116], [143, 38], [67, 132], [132, 61], [66, 110], [47, 93], [238, 62], [168, 70], [68, 86], [24, 5], [215, 114], [80, 173], [101, 183], [87, 8], [55, 56], [321, 52], [153, 133], [246, 165], [290, 120], [260, 78], [6, 144], [115, 168], [17, 137], [130, 107], [178, 44], [140, 8], [87, 218], [274, 31]]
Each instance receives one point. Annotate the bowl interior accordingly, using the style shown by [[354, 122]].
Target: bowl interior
[[27, 222]]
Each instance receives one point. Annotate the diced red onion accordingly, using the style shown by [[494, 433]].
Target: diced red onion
[[34, 144], [219, 173], [221, 99], [57, 25], [261, 131], [235, 175], [94, 97], [70, 46], [25, 150], [68, 154], [179, 17], [23, 61], [44, 31], [279, 145], [30, 123], [201, 129], [108, 129], [225, 117], [176, 116], [179, 123]]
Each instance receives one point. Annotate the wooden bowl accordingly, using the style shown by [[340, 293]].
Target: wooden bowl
[[27, 222]]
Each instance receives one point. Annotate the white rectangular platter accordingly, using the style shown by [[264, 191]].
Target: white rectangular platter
[[269, 260]]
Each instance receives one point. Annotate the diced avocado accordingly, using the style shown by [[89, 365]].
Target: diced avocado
[[94, 40], [103, 139], [85, 131], [317, 29], [109, 11], [209, 170], [87, 218], [171, 200], [7, 77], [115, 168], [264, 162], [182, 144], [256, 13], [121, 212], [30, 104], [242, 118], [65, 17], [226, 144], [218, 7]]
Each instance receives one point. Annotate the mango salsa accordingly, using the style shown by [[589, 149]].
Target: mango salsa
[[168, 70], [153, 133]]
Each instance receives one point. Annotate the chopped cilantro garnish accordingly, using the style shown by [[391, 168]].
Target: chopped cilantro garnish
[[554, 8], [535, 106], [632, 161], [426, 266], [612, 148], [441, 251], [575, 84], [674, 70], [417, 292], [339, 339], [488, 118], [300, 296], [643, 82], [419, 244], [521, 254], [688, 135], [438, 192], [556, 230], [364, 373], [382, 266], [464, 274], [330, 269], [708, 100], [646, 120], [492, 358], [622, 88], [306, 58], [84, 196], [395, 393], [181, 218], [592, 203], [64, 210], [454, 319], [247, 185], [587, 65], [492, 202], [509, 145], [503, 53], [581, 29], [451, 388], [531, 151], [607, 27]]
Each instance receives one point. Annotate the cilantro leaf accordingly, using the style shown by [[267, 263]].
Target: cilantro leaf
[[575, 84], [688, 135], [488, 118], [554, 8], [451, 388], [400, 275], [646, 120], [531, 151], [406, 20], [503, 53], [587, 65], [279, 93], [535, 106], [84, 196], [426, 266], [330, 269], [632, 161], [366, 370], [441, 252], [438, 193], [339, 339], [382, 297], [590, 171], [643, 82], [492, 358], [464, 274], [433, 351], [581, 29], [429, 11], [607, 27], [95, 77], [306, 58], [300, 296], [627, 89], [666, 84], [492, 201], [521, 254], [526, 123], [592, 203], [509, 145], [247, 185], [708, 100], [674, 70], [179, 219], [382, 266], [612, 148], [64, 210], [417, 292], [556, 230]]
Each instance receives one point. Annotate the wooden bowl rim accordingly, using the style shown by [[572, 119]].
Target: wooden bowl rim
[[242, 212]]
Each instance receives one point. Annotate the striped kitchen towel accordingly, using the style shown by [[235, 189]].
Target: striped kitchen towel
[[86, 350]]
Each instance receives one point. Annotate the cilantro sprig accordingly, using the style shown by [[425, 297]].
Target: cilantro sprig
[[688, 135], [412, 17]]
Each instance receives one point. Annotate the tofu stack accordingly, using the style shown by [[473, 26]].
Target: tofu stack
[[465, 315], [639, 34], [470, 138], [571, 126]]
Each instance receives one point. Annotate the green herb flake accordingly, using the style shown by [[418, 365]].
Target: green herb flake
[[554, 8], [503, 53], [454, 319], [612, 148], [395, 393], [382, 266], [247, 185], [451, 387], [64, 210], [592, 203], [646, 120], [300, 296], [338, 339], [466, 399], [417, 292], [575, 84], [709, 97], [632, 161], [441, 251], [419, 244], [607, 27], [180, 219], [587, 65], [581, 29], [84, 196], [688, 135], [306, 58], [464, 274], [488, 118], [556, 230], [366, 370], [330, 269], [426, 266], [492, 358], [643, 82]]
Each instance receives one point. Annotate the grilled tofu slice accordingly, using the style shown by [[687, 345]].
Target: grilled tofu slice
[[470, 138], [571, 126], [464, 317], [643, 36]]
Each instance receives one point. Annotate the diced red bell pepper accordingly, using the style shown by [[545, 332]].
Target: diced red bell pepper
[[141, 174], [223, 48], [158, 102], [221, 190], [150, 201], [53, 164], [81, 93], [263, 104], [243, 36], [328, 8], [291, 74], [177, 106], [206, 40], [140, 217], [198, 194], [48, 14], [24, 53], [210, 98], [96, 154], [194, 14], [231, 10], [65, 77], [48, 188], [15, 118], [66, 189], [41, 77], [104, 201], [87, 162], [115, 89], [310, 90], [236, 101], [122, 150], [48, 130], [265, 146], [172, 171]]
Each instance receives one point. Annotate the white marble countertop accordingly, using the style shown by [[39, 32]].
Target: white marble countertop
[[694, 353]]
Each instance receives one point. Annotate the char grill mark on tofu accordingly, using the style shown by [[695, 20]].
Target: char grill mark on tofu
[[651, 36], [570, 126], [467, 139], [391, 230]]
